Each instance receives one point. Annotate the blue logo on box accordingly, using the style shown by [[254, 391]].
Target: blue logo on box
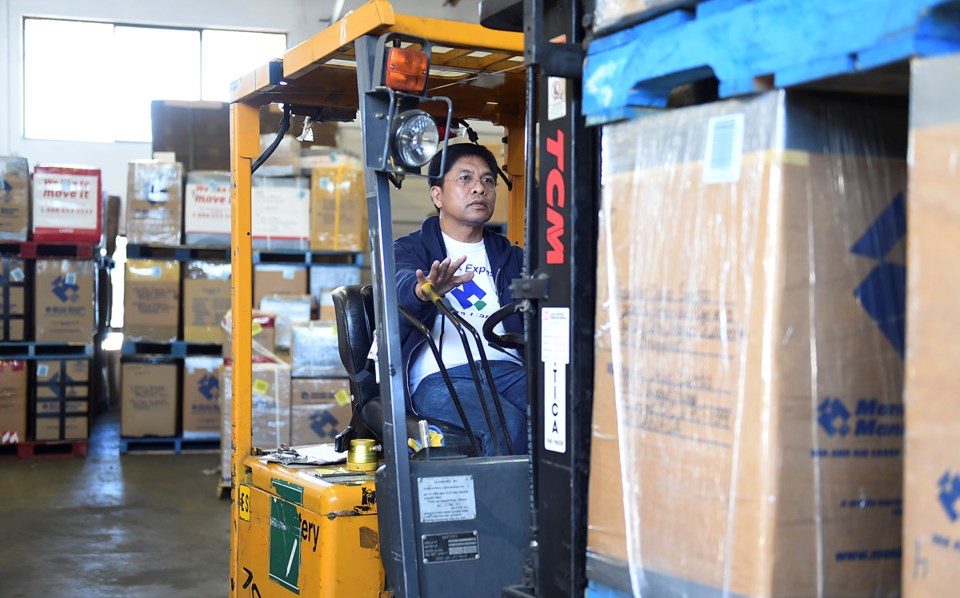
[[209, 387], [834, 417], [323, 424], [949, 493], [65, 292], [882, 294]]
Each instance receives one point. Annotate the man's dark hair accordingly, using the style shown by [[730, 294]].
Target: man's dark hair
[[454, 152]]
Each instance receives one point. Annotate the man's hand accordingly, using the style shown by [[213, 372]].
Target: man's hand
[[444, 277]]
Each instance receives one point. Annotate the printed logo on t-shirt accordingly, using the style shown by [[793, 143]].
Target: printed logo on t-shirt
[[469, 294]]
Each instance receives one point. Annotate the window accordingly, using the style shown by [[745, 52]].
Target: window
[[86, 81]]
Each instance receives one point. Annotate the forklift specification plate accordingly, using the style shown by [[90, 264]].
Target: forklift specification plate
[[459, 546], [447, 498]]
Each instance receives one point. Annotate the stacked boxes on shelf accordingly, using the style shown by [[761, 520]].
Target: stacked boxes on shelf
[[185, 300], [47, 305], [151, 370]]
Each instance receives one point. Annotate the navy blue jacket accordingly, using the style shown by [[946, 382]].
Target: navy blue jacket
[[418, 250]]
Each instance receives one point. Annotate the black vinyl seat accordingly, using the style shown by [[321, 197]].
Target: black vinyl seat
[[353, 306]]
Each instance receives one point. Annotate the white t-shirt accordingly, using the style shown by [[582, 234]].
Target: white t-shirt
[[475, 301]]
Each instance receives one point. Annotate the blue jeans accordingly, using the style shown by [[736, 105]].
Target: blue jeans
[[432, 400]]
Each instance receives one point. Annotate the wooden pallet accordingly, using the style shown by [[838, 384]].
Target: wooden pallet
[[167, 446], [40, 450], [751, 46]]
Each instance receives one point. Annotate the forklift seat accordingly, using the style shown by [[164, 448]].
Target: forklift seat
[[353, 306]]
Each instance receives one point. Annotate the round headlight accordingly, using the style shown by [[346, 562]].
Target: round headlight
[[417, 138]]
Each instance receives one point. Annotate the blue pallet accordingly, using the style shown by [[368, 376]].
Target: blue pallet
[[598, 590], [175, 349], [167, 445], [749, 46]]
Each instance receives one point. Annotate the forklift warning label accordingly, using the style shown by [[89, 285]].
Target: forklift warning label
[[441, 548], [447, 498]]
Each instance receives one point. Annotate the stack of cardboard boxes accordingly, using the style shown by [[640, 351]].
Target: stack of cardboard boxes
[[47, 301], [300, 390], [315, 202], [748, 422]]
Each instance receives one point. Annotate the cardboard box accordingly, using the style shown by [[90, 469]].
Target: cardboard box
[[66, 204], [151, 300], [154, 202], [285, 159], [62, 399], [315, 351], [338, 209], [201, 398], [320, 409], [263, 329], [206, 216], [931, 561], [13, 304], [13, 402], [289, 311], [281, 212], [325, 278], [756, 350], [148, 399], [14, 198], [71, 427], [206, 299], [63, 301], [278, 279], [197, 132], [271, 408], [64, 380]]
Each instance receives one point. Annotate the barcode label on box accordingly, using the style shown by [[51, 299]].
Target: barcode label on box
[[723, 157]]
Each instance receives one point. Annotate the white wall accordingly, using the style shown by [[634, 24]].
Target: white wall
[[300, 19]]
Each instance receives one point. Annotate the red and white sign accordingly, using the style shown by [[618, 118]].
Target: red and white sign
[[207, 208], [66, 204]]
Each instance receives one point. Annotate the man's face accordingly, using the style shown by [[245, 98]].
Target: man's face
[[467, 196]]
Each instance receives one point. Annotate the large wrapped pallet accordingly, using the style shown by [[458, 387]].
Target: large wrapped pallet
[[748, 416]]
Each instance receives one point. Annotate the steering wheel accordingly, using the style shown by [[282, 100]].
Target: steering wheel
[[510, 340]]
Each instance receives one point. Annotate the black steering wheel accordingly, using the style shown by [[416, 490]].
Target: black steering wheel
[[510, 340]]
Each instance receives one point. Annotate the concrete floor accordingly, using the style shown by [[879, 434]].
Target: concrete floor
[[111, 525]]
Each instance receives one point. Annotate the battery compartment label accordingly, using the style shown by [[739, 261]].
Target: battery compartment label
[[458, 546]]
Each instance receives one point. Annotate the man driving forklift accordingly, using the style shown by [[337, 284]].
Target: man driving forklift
[[461, 257]]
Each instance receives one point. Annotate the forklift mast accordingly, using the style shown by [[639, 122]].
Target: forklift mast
[[561, 240]]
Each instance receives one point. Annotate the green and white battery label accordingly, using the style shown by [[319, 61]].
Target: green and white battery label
[[443, 548]]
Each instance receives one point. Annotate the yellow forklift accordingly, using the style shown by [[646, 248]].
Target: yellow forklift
[[383, 523]]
